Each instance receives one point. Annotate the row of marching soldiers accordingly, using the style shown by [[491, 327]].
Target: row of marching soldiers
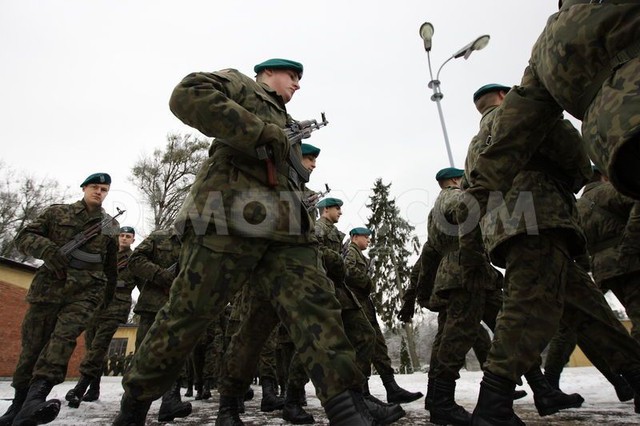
[[535, 232]]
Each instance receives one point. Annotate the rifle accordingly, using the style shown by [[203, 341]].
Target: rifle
[[82, 237], [295, 132], [311, 201]]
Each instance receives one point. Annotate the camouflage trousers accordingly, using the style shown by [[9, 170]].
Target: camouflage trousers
[[98, 335], [210, 275], [459, 330], [267, 364], [543, 287], [260, 319], [49, 333], [627, 290], [144, 324], [201, 367], [381, 361]]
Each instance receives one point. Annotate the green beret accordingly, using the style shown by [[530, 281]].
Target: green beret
[[97, 178], [329, 202], [449, 173], [308, 149], [488, 88], [359, 231], [279, 64], [127, 230]]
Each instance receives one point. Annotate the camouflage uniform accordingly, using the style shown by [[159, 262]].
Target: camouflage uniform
[[572, 69], [59, 309], [464, 303], [151, 258], [605, 215], [238, 230], [359, 329], [535, 230], [105, 322]]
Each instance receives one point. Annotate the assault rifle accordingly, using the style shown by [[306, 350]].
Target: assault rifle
[[82, 237], [295, 132], [311, 201]]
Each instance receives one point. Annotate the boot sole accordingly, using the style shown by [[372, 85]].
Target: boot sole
[[552, 410], [405, 400], [392, 418], [298, 422], [171, 417]]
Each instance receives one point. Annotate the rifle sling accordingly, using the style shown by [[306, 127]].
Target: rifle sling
[[83, 256]]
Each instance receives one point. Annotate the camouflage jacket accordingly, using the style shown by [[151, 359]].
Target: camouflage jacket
[[126, 280], [230, 195], [357, 277], [330, 239], [578, 65], [442, 229], [56, 226], [540, 197], [160, 250], [604, 215]]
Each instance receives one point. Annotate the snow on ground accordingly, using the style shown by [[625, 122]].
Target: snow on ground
[[601, 405]]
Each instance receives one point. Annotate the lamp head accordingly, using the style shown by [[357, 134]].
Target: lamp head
[[477, 44], [426, 34]]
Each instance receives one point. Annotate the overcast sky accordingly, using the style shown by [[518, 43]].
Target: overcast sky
[[86, 84]]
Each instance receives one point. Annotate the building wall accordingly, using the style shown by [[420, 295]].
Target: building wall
[[14, 283]]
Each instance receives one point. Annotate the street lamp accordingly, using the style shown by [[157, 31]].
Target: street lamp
[[426, 34]]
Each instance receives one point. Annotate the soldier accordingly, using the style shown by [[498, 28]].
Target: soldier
[[155, 261], [63, 295], [533, 229], [103, 325], [358, 280], [244, 218]]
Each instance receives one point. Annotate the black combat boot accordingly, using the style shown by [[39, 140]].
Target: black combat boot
[[624, 392], [36, 410], [519, 394], [270, 399], [495, 403], [75, 395], [206, 389], [189, 392], [444, 410], [553, 379], [395, 393], [636, 404], [382, 412], [348, 409], [292, 410], [14, 408], [547, 399], [228, 414], [428, 400], [633, 379], [93, 393], [172, 406], [132, 412]]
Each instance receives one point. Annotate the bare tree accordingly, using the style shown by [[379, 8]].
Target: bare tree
[[22, 198], [165, 177]]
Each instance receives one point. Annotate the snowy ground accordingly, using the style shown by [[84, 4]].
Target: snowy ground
[[601, 405]]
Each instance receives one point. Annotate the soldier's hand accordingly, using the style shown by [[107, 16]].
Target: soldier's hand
[[406, 311], [55, 261], [163, 278], [474, 271], [274, 137]]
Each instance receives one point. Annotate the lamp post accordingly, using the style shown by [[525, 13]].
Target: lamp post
[[426, 34]]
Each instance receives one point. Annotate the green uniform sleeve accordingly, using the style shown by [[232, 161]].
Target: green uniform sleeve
[[32, 240]]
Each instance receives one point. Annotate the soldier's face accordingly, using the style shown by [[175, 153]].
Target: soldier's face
[[284, 82], [309, 162], [332, 213], [125, 239], [95, 193], [362, 241]]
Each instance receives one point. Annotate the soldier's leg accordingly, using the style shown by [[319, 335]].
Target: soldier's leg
[[362, 337], [530, 315], [206, 282], [559, 351], [627, 290], [37, 326], [197, 366], [267, 372], [145, 323], [588, 312], [532, 306], [481, 345], [433, 361], [307, 306]]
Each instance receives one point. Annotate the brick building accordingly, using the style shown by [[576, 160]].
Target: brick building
[[15, 279]]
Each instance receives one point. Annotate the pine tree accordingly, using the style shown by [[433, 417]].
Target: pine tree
[[392, 243]]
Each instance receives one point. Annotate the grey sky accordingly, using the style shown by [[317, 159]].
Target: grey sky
[[85, 84]]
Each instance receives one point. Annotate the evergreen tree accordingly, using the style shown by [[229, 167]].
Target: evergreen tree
[[392, 243]]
